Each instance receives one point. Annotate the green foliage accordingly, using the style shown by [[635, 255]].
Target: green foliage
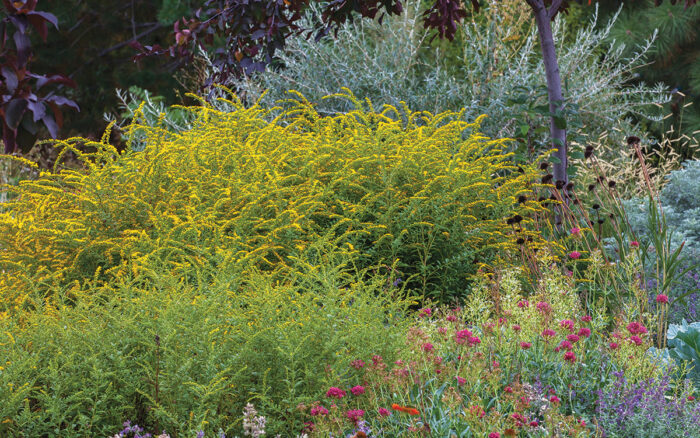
[[673, 58], [425, 194], [684, 346], [494, 68], [680, 203], [89, 359]]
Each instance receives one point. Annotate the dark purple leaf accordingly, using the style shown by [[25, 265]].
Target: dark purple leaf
[[54, 79], [50, 125], [14, 110], [38, 110], [8, 137], [23, 45], [60, 100], [11, 81], [47, 16]]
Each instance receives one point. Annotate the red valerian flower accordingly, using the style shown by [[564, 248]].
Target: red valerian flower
[[566, 345], [613, 345], [384, 412], [572, 338], [357, 364], [334, 392], [548, 333], [662, 299], [586, 318], [544, 307], [636, 340], [634, 244], [494, 435], [636, 328], [574, 255], [357, 390], [427, 347], [567, 324], [576, 231], [461, 380], [569, 356], [584, 332], [354, 415], [525, 345]]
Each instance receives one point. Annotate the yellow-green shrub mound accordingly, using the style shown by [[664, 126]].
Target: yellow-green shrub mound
[[253, 188]]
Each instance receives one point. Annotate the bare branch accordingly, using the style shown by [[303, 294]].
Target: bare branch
[[554, 8]]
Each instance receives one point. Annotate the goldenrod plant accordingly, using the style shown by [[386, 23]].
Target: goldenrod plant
[[253, 189]]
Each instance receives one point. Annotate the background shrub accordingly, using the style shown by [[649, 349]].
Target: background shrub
[[238, 192]]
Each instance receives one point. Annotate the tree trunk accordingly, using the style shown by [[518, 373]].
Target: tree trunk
[[543, 18]]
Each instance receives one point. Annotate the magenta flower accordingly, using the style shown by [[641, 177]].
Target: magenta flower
[[451, 318], [662, 299], [534, 423], [473, 340], [384, 412], [319, 410], [427, 311], [544, 307], [569, 356], [494, 435], [354, 415], [613, 345], [525, 345], [586, 318], [358, 364], [442, 330], [334, 392], [567, 324], [566, 345], [427, 347], [357, 390], [584, 332], [634, 244], [576, 231], [554, 399], [574, 255], [572, 338], [548, 333], [523, 303], [516, 328], [636, 328], [636, 340], [461, 380]]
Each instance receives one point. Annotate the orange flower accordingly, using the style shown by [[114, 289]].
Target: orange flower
[[407, 410]]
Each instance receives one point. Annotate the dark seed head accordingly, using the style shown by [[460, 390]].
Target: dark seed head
[[520, 169], [510, 221], [517, 218], [601, 179], [611, 184], [602, 220], [520, 241], [632, 140], [596, 206], [547, 178], [522, 199], [570, 186], [588, 152], [591, 187], [544, 165], [559, 184], [576, 202]]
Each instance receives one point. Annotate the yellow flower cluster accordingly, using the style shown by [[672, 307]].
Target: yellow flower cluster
[[257, 189]]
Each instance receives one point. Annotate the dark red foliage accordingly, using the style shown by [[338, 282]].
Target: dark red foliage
[[20, 107]]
